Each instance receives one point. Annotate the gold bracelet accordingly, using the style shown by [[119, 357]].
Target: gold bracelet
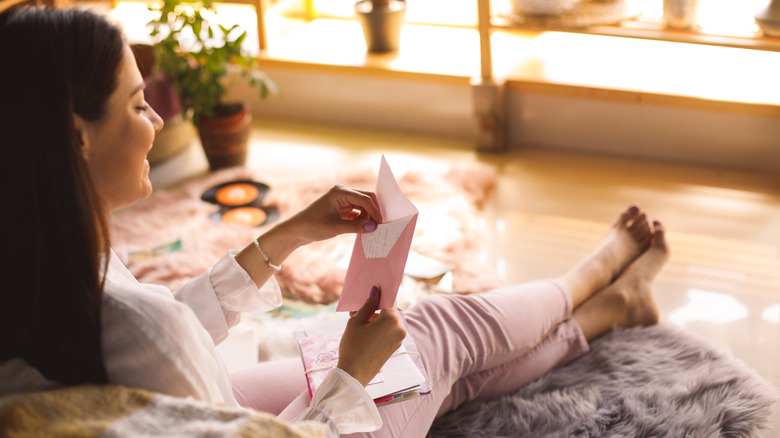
[[266, 259]]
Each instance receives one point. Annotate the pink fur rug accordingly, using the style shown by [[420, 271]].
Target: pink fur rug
[[448, 229]]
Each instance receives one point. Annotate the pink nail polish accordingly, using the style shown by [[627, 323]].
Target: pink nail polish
[[369, 226]]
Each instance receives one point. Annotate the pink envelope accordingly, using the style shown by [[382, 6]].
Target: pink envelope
[[378, 258]]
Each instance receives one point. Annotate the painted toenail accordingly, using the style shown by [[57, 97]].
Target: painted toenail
[[634, 209]]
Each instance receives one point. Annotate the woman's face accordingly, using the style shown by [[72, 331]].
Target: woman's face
[[116, 146]]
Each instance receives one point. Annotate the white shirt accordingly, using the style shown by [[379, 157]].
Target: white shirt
[[165, 342]]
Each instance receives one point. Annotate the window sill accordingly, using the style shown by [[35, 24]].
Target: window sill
[[657, 32], [574, 64], [427, 52]]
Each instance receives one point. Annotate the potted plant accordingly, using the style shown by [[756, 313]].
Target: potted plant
[[196, 56], [381, 21]]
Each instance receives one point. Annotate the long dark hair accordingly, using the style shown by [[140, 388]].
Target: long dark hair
[[55, 63]]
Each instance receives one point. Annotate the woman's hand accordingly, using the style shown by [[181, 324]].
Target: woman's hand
[[370, 339], [340, 210]]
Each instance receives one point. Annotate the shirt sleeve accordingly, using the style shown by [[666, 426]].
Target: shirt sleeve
[[153, 342], [219, 295], [343, 404]]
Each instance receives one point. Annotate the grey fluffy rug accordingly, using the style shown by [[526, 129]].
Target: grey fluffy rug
[[658, 381]]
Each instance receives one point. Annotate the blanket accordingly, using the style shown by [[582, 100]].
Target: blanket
[[117, 411], [31, 406]]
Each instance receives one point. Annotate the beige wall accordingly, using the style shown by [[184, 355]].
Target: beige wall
[[538, 120], [635, 130]]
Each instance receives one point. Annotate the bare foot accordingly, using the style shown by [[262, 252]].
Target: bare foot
[[628, 238], [629, 300], [636, 282]]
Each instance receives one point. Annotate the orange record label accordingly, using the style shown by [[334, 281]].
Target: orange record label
[[237, 194], [249, 216]]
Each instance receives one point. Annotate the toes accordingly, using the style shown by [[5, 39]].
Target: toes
[[640, 228], [659, 235], [628, 215]]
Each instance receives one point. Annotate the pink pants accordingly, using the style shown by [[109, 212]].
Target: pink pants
[[473, 346]]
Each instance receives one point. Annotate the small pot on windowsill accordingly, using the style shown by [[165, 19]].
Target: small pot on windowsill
[[225, 135], [543, 8], [768, 19], [680, 14], [382, 21]]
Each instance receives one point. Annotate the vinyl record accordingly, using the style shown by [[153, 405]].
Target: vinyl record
[[248, 215], [236, 193]]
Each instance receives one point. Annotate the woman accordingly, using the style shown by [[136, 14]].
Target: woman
[[75, 134]]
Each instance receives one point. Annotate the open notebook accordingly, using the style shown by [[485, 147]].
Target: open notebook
[[403, 376]]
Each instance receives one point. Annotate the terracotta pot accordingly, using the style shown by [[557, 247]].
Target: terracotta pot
[[225, 135], [381, 26]]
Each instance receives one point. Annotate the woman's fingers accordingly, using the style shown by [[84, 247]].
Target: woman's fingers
[[369, 307], [341, 210], [374, 212], [370, 339], [357, 204]]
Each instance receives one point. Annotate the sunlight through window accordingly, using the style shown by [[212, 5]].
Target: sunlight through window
[[772, 314], [707, 306], [719, 17], [501, 267], [727, 17], [133, 16]]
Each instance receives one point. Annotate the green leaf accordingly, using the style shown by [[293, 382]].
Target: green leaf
[[196, 27], [197, 72]]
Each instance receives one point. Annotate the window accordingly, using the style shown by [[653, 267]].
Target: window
[[133, 17], [715, 18]]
